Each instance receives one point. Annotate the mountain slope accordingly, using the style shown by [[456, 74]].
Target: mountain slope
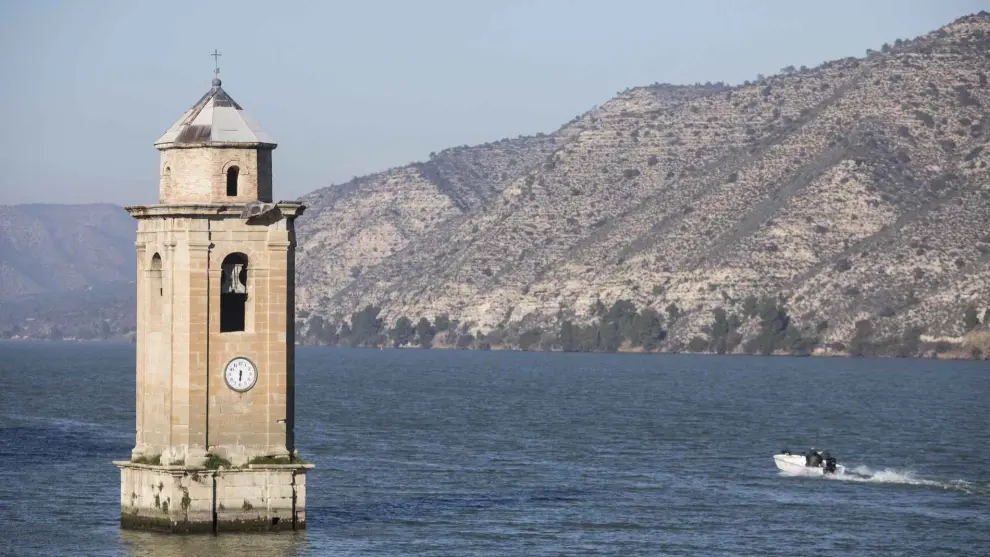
[[855, 190], [48, 248]]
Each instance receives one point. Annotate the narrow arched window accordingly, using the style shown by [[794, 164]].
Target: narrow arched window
[[166, 189], [232, 173], [233, 292], [156, 290]]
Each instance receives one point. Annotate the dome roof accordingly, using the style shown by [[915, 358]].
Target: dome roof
[[216, 120]]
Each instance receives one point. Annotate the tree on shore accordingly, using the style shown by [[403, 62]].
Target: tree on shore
[[425, 333], [402, 333]]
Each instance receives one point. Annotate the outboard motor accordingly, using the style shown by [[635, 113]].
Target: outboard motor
[[829, 465]]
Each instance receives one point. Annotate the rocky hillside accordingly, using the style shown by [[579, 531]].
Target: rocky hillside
[[66, 271], [47, 248], [857, 191], [365, 222]]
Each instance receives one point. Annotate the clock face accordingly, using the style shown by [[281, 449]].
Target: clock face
[[240, 374]]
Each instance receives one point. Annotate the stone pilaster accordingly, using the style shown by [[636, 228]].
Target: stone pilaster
[[197, 381], [140, 332]]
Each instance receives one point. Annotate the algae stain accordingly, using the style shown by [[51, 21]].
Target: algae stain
[[186, 500]]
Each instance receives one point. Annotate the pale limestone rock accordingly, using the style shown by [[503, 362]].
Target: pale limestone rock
[[704, 195]]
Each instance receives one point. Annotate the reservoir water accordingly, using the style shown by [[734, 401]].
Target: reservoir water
[[432, 452]]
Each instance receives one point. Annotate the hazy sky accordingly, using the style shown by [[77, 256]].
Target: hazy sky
[[349, 88]]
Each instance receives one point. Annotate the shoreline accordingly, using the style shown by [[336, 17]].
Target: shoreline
[[956, 353], [952, 355]]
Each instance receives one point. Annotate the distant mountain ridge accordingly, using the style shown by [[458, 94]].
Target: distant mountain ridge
[[855, 191], [49, 248], [842, 204]]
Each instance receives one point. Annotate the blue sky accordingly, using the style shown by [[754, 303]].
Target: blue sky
[[349, 88]]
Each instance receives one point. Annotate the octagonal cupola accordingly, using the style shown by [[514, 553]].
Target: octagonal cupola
[[215, 153]]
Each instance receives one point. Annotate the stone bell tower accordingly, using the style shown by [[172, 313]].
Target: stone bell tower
[[214, 446]]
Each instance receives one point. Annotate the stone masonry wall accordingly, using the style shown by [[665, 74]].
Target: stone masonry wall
[[184, 407], [199, 175]]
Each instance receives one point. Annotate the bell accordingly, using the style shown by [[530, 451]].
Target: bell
[[233, 277]]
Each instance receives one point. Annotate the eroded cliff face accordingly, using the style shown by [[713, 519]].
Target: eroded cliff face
[[858, 189]]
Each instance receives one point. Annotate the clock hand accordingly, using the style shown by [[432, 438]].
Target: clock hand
[[240, 375]]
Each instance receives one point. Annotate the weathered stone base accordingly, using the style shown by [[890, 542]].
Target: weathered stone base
[[183, 499]]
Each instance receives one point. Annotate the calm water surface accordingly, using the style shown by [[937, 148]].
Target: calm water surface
[[486, 453]]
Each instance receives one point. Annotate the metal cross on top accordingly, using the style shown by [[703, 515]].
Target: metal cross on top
[[216, 61]]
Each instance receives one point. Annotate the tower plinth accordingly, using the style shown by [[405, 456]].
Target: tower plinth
[[215, 407]]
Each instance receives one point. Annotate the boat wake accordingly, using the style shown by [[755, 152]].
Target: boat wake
[[865, 474]]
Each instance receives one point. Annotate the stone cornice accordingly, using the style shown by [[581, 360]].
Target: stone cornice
[[181, 468], [289, 209], [216, 145]]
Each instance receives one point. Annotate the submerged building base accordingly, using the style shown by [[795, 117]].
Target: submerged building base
[[184, 499]]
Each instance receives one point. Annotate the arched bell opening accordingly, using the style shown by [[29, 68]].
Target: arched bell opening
[[232, 175], [233, 293]]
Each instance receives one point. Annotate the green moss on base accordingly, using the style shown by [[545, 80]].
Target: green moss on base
[[155, 460], [134, 521], [215, 462], [259, 524], [291, 459]]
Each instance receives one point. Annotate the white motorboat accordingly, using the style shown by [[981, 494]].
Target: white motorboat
[[812, 463]]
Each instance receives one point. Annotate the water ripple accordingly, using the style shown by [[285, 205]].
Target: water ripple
[[469, 453]]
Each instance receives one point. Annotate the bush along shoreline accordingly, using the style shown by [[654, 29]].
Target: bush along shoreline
[[762, 326]]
